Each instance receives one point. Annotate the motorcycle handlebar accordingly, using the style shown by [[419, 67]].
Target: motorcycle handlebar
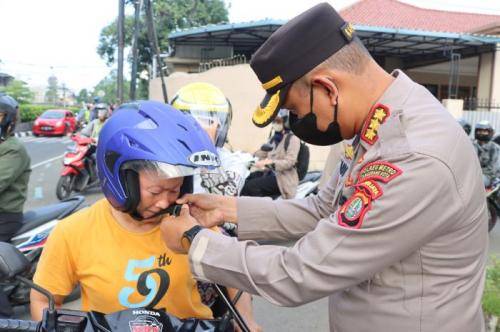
[[8, 325]]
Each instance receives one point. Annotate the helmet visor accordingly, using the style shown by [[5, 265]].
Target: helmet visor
[[161, 171]]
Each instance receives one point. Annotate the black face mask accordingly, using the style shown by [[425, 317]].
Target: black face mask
[[306, 128]]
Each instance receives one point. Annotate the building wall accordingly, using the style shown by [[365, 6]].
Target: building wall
[[484, 80], [244, 90]]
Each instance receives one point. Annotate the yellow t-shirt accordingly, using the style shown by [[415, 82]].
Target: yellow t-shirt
[[93, 249]]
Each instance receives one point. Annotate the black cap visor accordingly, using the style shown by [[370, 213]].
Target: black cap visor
[[269, 107]]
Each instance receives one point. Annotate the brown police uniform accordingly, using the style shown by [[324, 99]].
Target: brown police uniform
[[397, 240]]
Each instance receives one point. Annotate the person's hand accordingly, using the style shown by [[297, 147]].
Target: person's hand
[[261, 164], [210, 210], [173, 228]]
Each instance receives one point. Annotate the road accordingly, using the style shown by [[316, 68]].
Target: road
[[46, 158]]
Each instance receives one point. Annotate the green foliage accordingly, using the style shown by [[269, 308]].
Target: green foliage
[[30, 112], [491, 296], [108, 85], [19, 91], [168, 15], [51, 95], [83, 96]]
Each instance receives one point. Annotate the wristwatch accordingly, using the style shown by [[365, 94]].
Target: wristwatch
[[189, 235]]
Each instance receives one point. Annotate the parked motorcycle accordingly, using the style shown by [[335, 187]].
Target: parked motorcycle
[[135, 320], [30, 240], [79, 172], [493, 203]]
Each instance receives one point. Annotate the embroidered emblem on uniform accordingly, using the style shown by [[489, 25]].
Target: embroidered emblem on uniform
[[349, 182], [380, 171], [349, 152], [377, 116], [343, 168], [371, 188], [352, 212], [361, 159]]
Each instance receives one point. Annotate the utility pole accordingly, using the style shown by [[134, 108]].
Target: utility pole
[[153, 40], [121, 46], [135, 50]]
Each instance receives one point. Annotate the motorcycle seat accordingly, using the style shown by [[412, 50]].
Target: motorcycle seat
[[311, 176], [35, 218]]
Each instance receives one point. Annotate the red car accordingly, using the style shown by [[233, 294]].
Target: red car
[[54, 122]]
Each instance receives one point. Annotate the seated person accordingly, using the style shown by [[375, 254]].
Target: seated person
[[146, 157], [14, 177], [277, 173]]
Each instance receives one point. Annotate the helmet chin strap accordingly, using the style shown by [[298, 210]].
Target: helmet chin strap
[[172, 210]]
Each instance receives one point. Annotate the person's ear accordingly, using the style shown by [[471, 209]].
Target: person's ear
[[329, 86]]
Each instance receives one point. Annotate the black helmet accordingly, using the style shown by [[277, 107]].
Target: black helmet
[[483, 131], [465, 125], [9, 107]]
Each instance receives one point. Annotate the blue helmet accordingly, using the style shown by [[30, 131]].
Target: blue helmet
[[152, 135]]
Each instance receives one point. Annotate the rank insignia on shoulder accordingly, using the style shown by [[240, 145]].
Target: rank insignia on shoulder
[[378, 115], [352, 212], [380, 171]]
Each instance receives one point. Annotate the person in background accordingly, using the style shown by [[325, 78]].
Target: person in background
[[277, 174], [488, 152], [14, 177]]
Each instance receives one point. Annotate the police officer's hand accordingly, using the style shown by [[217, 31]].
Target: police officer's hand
[[173, 228], [211, 210]]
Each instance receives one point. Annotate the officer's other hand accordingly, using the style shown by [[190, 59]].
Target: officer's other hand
[[210, 210], [173, 228]]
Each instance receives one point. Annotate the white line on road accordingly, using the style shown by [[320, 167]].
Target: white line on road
[[47, 161]]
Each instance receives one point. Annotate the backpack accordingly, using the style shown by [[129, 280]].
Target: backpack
[[302, 158]]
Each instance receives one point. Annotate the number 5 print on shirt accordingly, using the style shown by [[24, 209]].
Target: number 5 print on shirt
[[146, 285]]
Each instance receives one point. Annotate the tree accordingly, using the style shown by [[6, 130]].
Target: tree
[[169, 15], [108, 86], [83, 96], [51, 95], [19, 91]]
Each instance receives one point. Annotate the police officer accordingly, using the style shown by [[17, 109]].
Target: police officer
[[487, 151], [397, 239]]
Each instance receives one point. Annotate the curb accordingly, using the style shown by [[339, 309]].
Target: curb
[[23, 133]]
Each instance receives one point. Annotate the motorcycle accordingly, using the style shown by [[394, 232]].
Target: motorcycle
[[13, 265], [30, 240], [79, 170], [493, 204]]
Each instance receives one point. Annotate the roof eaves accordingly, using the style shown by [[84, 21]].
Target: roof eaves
[[222, 27]]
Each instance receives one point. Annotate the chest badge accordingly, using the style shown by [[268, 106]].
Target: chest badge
[[378, 115]]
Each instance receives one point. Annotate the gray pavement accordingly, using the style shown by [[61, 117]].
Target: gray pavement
[[46, 156]]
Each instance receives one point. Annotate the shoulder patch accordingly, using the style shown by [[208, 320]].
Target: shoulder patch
[[380, 171], [353, 211], [371, 188], [378, 114]]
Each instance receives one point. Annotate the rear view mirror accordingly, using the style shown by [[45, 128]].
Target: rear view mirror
[[266, 147], [12, 261]]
